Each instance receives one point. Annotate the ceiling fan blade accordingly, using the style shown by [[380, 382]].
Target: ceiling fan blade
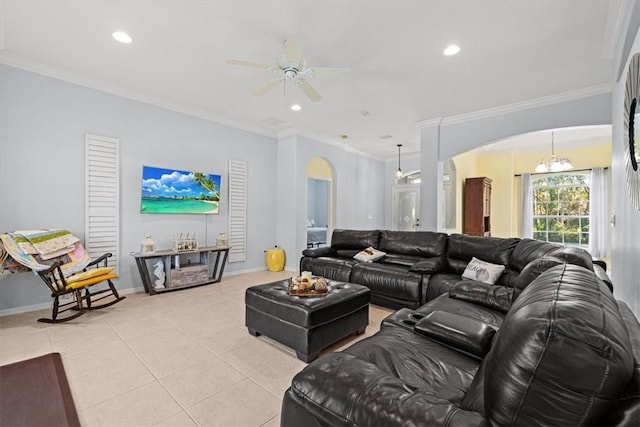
[[249, 64], [294, 51], [267, 87], [331, 73], [308, 90]]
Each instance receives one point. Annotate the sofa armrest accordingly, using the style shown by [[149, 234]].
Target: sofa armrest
[[341, 389], [318, 252], [602, 275], [466, 334], [492, 296], [428, 266]]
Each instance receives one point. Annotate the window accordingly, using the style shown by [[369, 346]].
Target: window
[[561, 209]]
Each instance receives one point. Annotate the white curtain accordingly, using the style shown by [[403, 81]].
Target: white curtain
[[599, 212], [526, 206]]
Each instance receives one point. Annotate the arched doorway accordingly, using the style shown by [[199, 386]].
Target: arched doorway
[[320, 206]]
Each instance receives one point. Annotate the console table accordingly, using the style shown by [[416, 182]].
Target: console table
[[181, 269]]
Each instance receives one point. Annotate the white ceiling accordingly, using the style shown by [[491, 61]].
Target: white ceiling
[[512, 51]]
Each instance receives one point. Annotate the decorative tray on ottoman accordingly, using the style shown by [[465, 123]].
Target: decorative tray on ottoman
[[303, 287]]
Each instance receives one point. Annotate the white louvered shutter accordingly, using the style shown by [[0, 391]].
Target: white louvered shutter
[[102, 196], [237, 210]]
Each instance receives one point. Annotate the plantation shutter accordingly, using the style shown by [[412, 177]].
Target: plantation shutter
[[102, 194], [237, 210]]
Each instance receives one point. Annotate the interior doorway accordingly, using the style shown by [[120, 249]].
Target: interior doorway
[[320, 206], [406, 207]]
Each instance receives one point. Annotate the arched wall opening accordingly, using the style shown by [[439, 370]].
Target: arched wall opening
[[320, 210]]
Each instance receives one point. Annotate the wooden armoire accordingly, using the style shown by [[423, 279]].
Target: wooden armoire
[[477, 206]]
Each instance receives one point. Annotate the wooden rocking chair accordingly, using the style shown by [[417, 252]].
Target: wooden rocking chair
[[75, 284]]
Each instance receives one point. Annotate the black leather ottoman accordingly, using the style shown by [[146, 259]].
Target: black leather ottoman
[[307, 324]]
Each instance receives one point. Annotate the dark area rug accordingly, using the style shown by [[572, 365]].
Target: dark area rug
[[36, 392]]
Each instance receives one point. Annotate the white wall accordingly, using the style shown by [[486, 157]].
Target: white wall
[[625, 238], [42, 126], [358, 194], [43, 122]]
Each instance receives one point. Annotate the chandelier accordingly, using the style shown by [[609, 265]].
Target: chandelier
[[554, 163], [399, 171]]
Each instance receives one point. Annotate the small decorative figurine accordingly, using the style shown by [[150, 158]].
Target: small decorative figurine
[[158, 271], [221, 240], [147, 245]]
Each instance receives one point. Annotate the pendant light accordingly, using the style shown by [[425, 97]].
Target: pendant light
[[553, 163], [399, 171]]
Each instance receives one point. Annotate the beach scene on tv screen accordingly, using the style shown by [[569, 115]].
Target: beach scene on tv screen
[[181, 192]]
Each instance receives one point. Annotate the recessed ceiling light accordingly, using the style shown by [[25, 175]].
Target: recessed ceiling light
[[122, 37], [296, 107], [451, 50]]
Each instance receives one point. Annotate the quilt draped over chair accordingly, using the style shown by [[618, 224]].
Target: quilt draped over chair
[[59, 259]]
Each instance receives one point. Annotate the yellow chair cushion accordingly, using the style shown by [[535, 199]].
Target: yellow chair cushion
[[92, 281], [94, 273]]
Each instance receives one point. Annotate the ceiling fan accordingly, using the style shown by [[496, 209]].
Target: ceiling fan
[[293, 66]]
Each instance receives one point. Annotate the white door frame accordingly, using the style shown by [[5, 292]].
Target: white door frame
[[396, 191]]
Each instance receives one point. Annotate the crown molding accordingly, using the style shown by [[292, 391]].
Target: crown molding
[[429, 123], [119, 91], [531, 103]]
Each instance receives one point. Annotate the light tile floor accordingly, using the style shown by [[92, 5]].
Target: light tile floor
[[182, 358]]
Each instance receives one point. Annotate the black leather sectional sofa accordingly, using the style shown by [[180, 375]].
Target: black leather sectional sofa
[[547, 344], [420, 266], [565, 353]]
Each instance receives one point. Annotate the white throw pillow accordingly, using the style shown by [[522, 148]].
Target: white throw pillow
[[483, 271], [369, 255]]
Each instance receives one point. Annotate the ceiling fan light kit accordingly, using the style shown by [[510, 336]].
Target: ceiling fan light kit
[[294, 67]]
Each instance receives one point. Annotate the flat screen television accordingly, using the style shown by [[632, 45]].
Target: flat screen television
[[171, 191]]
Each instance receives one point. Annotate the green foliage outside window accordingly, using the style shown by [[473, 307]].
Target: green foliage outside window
[[561, 209]]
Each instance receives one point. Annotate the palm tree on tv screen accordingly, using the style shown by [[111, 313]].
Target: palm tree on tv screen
[[206, 183]]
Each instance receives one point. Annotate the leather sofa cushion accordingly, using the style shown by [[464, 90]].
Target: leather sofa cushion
[[388, 279], [441, 283], [406, 260], [462, 248], [347, 253], [419, 243], [355, 239], [534, 269], [528, 250], [457, 331], [562, 355], [418, 361], [496, 297], [428, 266], [318, 252], [575, 256], [482, 313], [369, 396], [331, 268]]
